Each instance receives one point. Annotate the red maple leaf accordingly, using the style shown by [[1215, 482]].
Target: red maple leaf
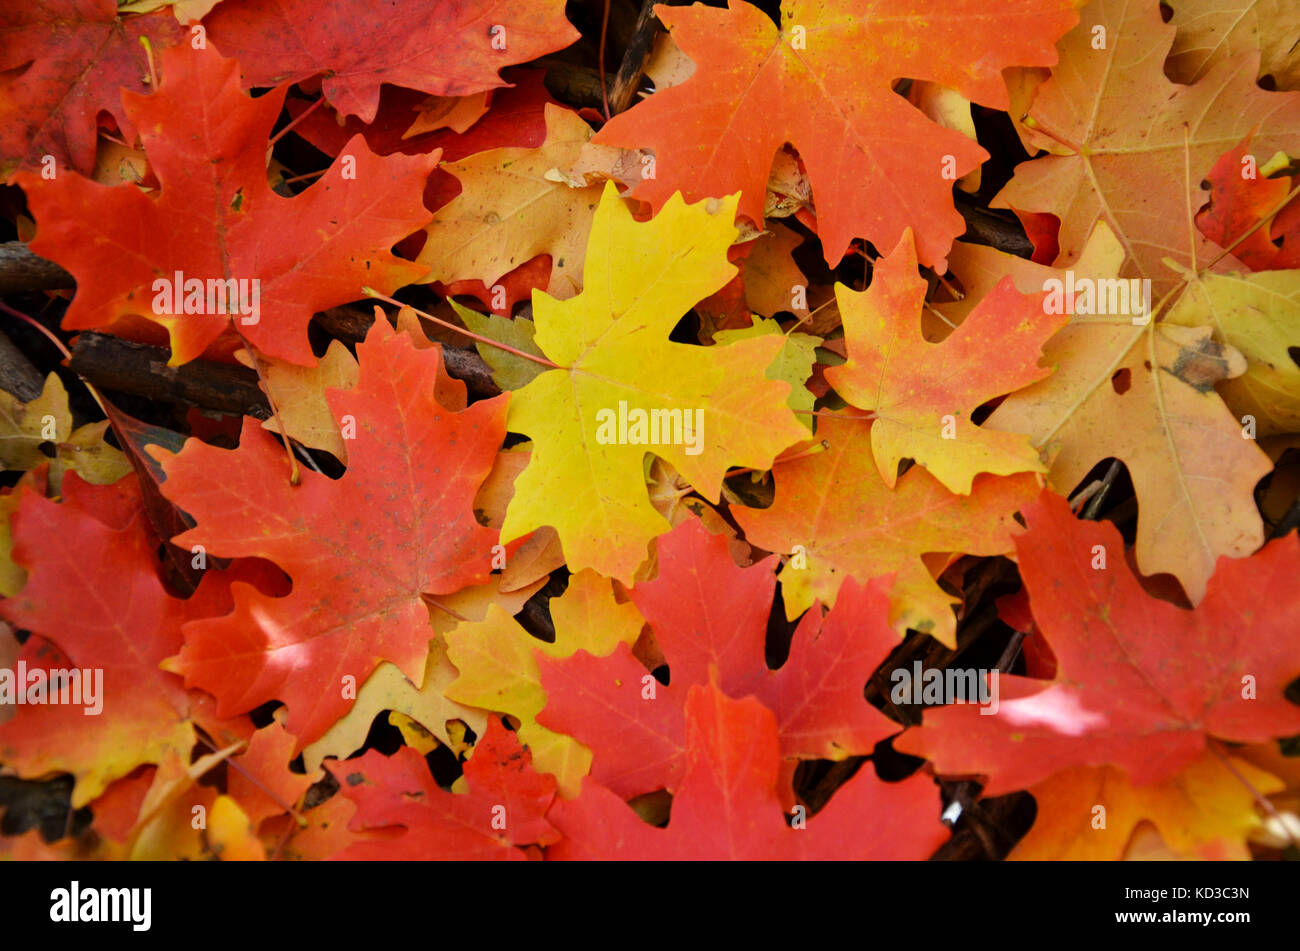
[[1237, 203], [62, 62], [95, 603], [727, 806], [441, 47], [875, 163], [706, 613], [504, 808], [364, 551], [1140, 683], [217, 219]]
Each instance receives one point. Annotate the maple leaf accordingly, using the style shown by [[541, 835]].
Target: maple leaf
[[363, 551], [923, 394], [504, 807], [1241, 196], [298, 393], [1212, 31], [388, 689], [708, 614], [509, 211], [438, 47], [611, 344], [839, 519], [62, 62], [1205, 811], [1140, 684], [100, 542], [1132, 145], [1193, 473], [1259, 316], [306, 253], [727, 805], [497, 669], [823, 81], [25, 427]]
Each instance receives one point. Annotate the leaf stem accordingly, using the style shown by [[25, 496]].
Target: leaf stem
[[295, 473], [371, 292]]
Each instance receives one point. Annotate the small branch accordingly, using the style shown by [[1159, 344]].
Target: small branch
[[17, 374], [115, 364], [21, 270], [635, 57], [351, 325]]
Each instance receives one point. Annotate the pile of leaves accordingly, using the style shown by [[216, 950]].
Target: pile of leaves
[[968, 339]]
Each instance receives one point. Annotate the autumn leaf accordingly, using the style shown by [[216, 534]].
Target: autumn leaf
[[923, 394], [25, 427], [1141, 684], [303, 254], [509, 211], [1242, 197], [363, 551], [503, 808], [1212, 31], [586, 477], [860, 528], [822, 81], [444, 49], [1192, 470], [1131, 147], [1089, 813], [498, 671], [727, 806], [706, 615], [115, 640], [61, 63]]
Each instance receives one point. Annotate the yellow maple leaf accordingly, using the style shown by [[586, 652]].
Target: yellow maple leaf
[[619, 381]]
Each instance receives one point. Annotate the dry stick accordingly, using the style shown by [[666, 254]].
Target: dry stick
[[18, 375], [600, 61], [371, 292], [57, 342], [638, 52], [21, 270]]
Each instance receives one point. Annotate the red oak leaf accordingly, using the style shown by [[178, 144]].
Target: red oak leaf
[[823, 81], [706, 613], [363, 551], [505, 807], [216, 218], [441, 47], [1140, 683], [727, 806], [62, 62]]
